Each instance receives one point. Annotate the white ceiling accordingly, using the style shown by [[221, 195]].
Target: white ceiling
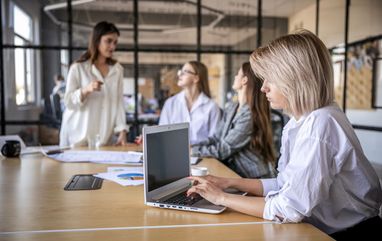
[[272, 8], [225, 22]]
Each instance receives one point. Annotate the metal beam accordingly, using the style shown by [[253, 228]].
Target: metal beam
[[136, 66], [70, 30], [259, 22], [317, 15], [199, 30], [347, 7], [2, 100]]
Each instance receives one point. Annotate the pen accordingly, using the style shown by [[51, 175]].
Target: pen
[[57, 151], [54, 152]]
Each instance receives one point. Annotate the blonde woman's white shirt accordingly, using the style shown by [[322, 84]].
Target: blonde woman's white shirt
[[324, 177], [203, 117], [101, 112]]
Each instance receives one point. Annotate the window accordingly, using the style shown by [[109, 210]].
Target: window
[[64, 59], [23, 35]]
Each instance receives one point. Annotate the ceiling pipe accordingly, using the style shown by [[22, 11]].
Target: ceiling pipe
[[56, 6]]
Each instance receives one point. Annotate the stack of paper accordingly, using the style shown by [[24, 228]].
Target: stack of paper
[[108, 157], [125, 176]]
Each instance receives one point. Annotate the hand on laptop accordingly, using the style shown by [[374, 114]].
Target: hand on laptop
[[138, 140], [207, 190], [220, 182]]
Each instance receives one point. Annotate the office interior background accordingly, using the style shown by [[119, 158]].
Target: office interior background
[[41, 38]]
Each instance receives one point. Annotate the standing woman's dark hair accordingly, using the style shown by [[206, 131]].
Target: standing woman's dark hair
[[102, 28], [262, 139], [202, 72]]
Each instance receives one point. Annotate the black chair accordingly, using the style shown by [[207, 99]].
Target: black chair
[[55, 103]]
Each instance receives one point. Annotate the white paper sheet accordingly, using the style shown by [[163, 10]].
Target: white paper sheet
[[46, 150], [108, 157], [124, 178], [194, 160], [125, 169]]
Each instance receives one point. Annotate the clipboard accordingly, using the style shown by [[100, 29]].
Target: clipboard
[[83, 182]]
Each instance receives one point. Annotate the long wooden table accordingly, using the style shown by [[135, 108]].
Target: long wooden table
[[34, 206]]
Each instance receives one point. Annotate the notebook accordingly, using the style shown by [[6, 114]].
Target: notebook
[[166, 161]]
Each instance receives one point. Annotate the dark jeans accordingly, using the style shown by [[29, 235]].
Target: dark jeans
[[370, 229]]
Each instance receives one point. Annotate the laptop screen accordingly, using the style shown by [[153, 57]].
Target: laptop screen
[[168, 152]]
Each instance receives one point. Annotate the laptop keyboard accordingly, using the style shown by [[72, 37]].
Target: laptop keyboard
[[182, 199]]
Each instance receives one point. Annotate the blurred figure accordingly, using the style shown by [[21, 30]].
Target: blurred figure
[[94, 93], [59, 89], [243, 138], [193, 104], [60, 86]]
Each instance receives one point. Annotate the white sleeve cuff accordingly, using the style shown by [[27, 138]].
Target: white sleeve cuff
[[279, 209], [269, 214], [77, 97], [269, 184]]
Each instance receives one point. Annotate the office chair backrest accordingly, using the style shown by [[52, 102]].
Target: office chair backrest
[[56, 106]]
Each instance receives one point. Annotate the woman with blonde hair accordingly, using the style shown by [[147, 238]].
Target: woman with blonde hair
[[243, 138], [193, 104], [94, 93], [324, 177]]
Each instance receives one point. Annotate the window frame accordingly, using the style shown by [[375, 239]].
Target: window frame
[[30, 92]]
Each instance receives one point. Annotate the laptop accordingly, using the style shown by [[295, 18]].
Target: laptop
[[166, 161]]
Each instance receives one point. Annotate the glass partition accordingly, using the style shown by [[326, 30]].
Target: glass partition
[[167, 25]]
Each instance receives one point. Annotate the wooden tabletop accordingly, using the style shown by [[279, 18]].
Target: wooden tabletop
[[34, 206]]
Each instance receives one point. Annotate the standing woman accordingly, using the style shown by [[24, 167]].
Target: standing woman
[[324, 177], [94, 93], [243, 138], [193, 104]]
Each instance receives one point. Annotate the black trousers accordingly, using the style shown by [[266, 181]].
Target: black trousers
[[370, 229]]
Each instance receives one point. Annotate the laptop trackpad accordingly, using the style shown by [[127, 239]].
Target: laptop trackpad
[[207, 205]]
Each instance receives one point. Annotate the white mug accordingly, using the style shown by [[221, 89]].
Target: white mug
[[199, 171]]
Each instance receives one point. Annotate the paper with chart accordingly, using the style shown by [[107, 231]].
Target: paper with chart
[[107, 157], [125, 176]]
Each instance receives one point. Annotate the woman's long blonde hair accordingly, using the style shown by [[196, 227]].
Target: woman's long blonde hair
[[300, 66]]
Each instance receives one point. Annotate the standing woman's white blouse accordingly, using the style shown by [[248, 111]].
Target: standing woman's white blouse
[[101, 112], [203, 116]]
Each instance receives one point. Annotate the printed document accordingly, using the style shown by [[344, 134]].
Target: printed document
[[108, 157], [125, 176]]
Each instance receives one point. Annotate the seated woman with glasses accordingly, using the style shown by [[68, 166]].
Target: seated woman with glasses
[[243, 138], [193, 104]]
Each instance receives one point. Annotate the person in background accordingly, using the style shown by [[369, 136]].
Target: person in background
[[59, 89], [243, 138], [324, 177], [60, 85], [193, 104], [94, 93]]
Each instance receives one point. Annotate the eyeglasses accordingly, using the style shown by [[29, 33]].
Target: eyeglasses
[[182, 72]]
